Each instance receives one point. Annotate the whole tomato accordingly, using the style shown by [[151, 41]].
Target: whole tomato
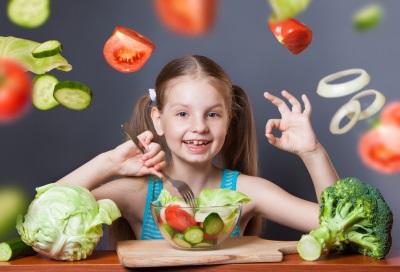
[[15, 90]]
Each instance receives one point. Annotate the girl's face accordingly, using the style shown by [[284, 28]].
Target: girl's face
[[194, 120]]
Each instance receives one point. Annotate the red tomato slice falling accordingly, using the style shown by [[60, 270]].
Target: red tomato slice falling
[[292, 34], [126, 50], [178, 218], [15, 90], [188, 17], [375, 154]]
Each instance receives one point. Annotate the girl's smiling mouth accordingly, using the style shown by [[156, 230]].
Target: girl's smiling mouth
[[197, 145]]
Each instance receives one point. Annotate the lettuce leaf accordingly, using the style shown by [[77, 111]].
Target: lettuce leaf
[[221, 197], [21, 50], [165, 197], [285, 9]]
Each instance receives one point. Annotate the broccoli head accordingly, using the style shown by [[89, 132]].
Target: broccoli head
[[353, 218]]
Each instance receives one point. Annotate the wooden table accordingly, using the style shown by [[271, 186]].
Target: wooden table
[[107, 260]]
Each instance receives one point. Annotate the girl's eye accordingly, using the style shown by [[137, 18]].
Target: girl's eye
[[182, 114], [212, 114]]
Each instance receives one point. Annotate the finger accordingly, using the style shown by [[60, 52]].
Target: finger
[[145, 139], [282, 107], [271, 125], [271, 138], [158, 158], [296, 106], [153, 150], [307, 105]]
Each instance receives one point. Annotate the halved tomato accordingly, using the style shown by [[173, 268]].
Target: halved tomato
[[127, 50], [376, 155], [178, 218], [15, 89], [188, 17]]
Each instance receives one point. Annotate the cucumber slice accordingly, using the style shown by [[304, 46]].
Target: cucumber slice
[[368, 17], [167, 231], [213, 224], [47, 49], [28, 13], [180, 241], [73, 95], [205, 244], [42, 91], [194, 234]]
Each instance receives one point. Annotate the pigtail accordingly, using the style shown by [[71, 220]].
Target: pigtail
[[240, 149]]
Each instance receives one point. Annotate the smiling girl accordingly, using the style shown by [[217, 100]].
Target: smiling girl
[[200, 129]]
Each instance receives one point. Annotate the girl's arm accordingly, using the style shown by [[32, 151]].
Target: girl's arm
[[299, 138], [125, 160]]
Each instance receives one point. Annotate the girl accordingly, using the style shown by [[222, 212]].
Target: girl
[[201, 130]]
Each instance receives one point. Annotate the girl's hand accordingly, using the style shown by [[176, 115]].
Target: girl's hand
[[128, 160], [297, 134]]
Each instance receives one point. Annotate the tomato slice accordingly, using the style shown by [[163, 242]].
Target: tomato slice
[[292, 34], [188, 17], [178, 218], [390, 114], [126, 50], [375, 153], [15, 90]]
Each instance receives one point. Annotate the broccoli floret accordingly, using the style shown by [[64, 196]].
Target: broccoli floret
[[353, 218]]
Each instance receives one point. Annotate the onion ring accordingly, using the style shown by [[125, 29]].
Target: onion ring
[[325, 89], [353, 106], [375, 106]]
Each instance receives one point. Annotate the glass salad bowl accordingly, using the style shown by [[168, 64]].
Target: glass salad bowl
[[200, 228]]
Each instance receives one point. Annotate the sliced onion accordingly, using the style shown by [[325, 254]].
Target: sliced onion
[[353, 106], [326, 89], [375, 106]]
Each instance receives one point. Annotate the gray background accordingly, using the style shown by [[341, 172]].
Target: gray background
[[43, 146]]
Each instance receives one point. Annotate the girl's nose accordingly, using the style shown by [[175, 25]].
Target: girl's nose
[[198, 125]]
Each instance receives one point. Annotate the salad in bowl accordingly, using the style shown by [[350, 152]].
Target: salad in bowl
[[204, 227]]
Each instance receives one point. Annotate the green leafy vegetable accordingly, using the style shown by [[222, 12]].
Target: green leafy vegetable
[[64, 221], [220, 197], [285, 9], [165, 198], [21, 50], [354, 218]]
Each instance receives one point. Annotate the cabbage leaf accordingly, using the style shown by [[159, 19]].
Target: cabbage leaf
[[21, 50], [64, 221], [221, 197]]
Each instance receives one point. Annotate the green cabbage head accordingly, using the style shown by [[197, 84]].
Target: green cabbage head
[[64, 221]]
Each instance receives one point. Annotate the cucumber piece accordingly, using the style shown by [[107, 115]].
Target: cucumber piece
[[73, 95], [179, 240], [47, 49], [194, 234], [204, 244], [167, 231], [14, 248], [28, 13], [368, 17], [42, 91], [213, 224]]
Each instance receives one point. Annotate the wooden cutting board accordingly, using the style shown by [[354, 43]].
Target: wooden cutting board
[[245, 249]]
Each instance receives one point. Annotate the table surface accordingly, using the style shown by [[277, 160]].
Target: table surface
[[107, 260]]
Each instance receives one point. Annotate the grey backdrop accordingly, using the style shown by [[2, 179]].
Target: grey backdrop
[[43, 146]]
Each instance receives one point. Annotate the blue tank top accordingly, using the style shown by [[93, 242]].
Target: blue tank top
[[149, 227]]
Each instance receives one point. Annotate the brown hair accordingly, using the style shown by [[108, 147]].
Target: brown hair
[[239, 151]]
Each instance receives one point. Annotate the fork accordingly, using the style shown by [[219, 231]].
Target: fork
[[181, 186]]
